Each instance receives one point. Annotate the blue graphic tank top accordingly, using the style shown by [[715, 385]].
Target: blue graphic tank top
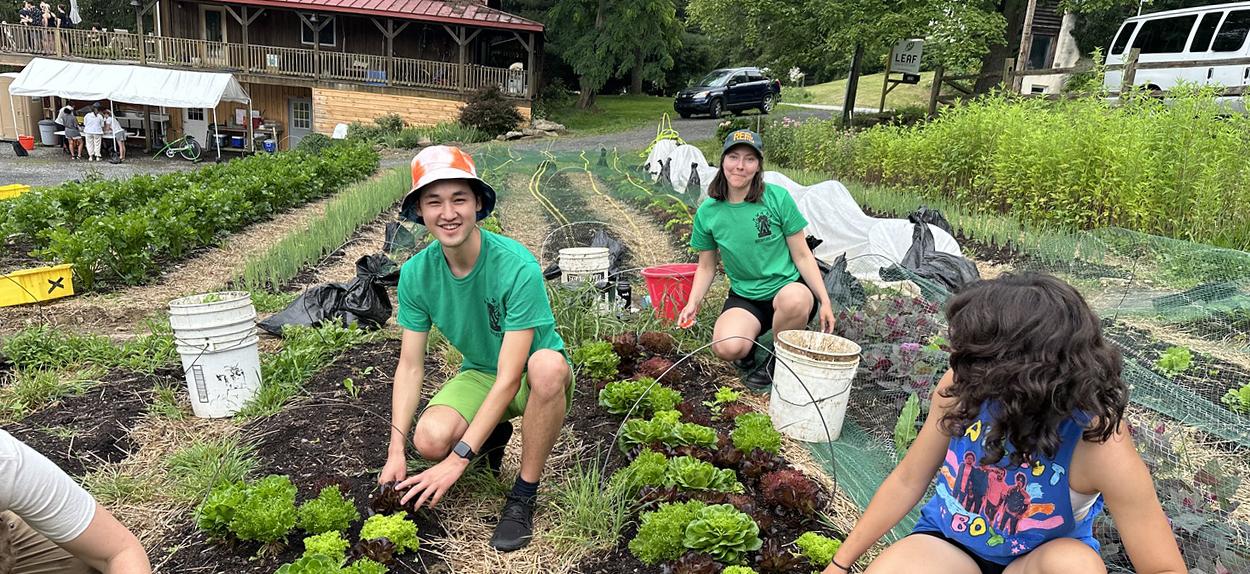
[[1002, 511]]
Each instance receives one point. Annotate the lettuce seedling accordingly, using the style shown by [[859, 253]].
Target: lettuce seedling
[[647, 469], [597, 360], [330, 544], [755, 430], [213, 516], [738, 570], [328, 512], [666, 428], [620, 397], [396, 528], [364, 566], [724, 532], [268, 512], [724, 397], [311, 564], [661, 532], [696, 563], [690, 473], [788, 488], [378, 550], [818, 549]]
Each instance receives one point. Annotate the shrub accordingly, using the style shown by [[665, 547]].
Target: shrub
[[329, 512], [490, 111], [314, 143], [662, 532], [818, 549], [396, 528]]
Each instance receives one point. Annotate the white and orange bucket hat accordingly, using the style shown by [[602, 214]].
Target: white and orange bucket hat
[[439, 162]]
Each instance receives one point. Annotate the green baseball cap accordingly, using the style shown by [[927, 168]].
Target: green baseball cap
[[744, 137]]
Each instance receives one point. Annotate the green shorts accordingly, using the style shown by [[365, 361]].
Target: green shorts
[[466, 391]]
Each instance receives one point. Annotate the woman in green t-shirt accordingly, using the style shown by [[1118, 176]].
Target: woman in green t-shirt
[[756, 230]]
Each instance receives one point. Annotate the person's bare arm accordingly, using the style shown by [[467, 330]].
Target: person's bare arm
[[1115, 469], [805, 261], [703, 275], [109, 547], [405, 396], [904, 487], [434, 482]]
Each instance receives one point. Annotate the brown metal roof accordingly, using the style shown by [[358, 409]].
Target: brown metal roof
[[459, 12]]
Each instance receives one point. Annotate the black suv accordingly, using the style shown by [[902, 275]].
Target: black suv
[[733, 89]]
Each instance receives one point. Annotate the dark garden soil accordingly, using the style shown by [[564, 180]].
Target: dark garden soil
[[15, 254], [596, 426], [80, 432], [1206, 376], [329, 438]]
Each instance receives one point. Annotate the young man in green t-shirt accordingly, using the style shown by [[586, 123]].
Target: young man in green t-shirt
[[485, 293]]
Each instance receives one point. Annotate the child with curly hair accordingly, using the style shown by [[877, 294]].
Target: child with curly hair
[[1034, 392]]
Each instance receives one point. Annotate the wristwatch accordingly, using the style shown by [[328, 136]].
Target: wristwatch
[[464, 451]]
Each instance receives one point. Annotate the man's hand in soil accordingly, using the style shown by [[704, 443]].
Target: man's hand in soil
[[395, 470], [434, 482]]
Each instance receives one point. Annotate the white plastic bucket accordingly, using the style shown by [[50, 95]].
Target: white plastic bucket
[[826, 364], [581, 263], [216, 337], [587, 264]]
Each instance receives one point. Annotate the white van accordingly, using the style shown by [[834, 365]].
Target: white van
[[1196, 39]]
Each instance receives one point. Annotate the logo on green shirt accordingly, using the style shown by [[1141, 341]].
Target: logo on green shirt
[[495, 312], [761, 225]]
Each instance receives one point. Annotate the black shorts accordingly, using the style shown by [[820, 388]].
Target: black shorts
[[984, 565], [762, 309]]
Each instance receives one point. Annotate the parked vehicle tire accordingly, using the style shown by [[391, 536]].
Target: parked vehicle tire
[[769, 102], [716, 109]]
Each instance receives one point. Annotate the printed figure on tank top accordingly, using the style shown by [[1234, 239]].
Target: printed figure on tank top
[[1024, 444]]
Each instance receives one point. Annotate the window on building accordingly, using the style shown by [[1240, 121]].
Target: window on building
[[195, 114], [1039, 53], [1232, 34], [1206, 31], [1121, 39], [328, 37], [1165, 35], [301, 115]]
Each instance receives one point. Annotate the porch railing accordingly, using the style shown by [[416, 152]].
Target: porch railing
[[369, 69]]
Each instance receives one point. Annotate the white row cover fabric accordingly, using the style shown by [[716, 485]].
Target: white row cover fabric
[[832, 214], [128, 84]]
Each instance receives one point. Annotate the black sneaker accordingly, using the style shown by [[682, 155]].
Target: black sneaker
[[745, 364], [516, 525], [494, 447], [761, 379]]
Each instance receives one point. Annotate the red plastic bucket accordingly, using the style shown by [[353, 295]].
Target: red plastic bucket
[[669, 286], [27, 142]]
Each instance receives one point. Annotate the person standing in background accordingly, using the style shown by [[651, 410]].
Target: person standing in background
[[93, 129]]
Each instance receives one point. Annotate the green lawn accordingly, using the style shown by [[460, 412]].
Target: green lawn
[[614, 114], [869, 94]]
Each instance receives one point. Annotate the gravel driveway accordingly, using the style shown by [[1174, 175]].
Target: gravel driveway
[[48, 166]]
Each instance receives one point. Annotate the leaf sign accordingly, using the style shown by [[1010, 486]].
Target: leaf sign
[[905, 428]]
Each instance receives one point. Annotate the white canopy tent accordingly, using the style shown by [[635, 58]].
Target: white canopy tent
[[130, 84]]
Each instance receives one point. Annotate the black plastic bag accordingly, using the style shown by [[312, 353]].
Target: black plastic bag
[[616, 250], [694, 187], [398, 238], [952, 272], [844, 289], [362, 300], [932, 217]]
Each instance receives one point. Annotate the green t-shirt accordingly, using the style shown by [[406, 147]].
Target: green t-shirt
[[751, 238], [503, 292]]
